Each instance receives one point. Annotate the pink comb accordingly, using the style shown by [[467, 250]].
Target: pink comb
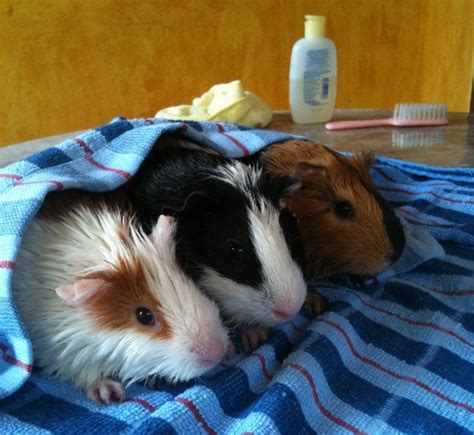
[[404, 115]]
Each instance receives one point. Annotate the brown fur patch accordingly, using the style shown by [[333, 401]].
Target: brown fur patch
[[359, 245], [127, 289]]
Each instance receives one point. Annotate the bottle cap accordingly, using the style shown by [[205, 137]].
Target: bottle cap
[[314, 26]]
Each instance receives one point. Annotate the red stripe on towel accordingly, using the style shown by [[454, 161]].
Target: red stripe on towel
[[13, 361], [148, 406], [296, 327], [339, 421], [88, 151], [84, 146], [450, 293], [12, 176], [389, 372], [265, 371], [239, 144], [197, 415], [58, 184], [124, 174], [454, 293], [7, 265], [413, 322], [220, 127]]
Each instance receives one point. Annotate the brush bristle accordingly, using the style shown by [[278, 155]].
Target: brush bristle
[[420, 112], [411, 139]]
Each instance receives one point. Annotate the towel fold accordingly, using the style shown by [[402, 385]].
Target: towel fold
[[420, 247]]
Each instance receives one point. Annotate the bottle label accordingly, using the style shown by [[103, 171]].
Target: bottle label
[[316, 77], [325, 91]]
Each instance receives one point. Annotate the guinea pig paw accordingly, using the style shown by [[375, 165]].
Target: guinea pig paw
[[253, 337], [106, 391], [315, 304]]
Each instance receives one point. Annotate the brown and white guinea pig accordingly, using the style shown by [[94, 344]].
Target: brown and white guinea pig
[[347, 226], [232, 236], [106, 305]]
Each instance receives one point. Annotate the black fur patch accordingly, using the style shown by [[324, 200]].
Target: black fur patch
[[212, 213], [208, 230], [293, 237]]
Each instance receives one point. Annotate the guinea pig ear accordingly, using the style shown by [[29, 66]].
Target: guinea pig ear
[[196, 200], [368, 158], [309, 172], [285, 187], [292, 187], [201, 202], [80, 293], [163, 231]]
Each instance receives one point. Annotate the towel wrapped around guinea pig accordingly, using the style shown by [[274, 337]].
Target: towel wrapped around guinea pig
[[403, 345], [97, 160]]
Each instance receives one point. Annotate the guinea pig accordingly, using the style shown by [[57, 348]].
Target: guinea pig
[[346, 225], [233, 238], [106, 305]]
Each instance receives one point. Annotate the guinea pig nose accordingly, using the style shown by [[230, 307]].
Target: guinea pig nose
[[212, 351]]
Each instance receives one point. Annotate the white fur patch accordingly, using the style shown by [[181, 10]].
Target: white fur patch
[[283, 279], [242, 177], [283, 285]]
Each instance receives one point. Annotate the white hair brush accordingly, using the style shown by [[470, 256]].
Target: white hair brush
[[404, 115]]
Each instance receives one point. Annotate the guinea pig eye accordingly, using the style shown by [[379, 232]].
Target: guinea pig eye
[[144, 316], [235, 250], [344, 209]]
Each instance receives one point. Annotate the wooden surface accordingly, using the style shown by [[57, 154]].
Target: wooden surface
[[76, 64], [449, 146]]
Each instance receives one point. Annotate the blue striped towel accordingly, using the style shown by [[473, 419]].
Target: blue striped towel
[[395, 356]]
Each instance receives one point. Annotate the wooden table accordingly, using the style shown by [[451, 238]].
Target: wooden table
[[449, 146]]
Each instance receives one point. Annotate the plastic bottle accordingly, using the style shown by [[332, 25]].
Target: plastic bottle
[[313, 74]]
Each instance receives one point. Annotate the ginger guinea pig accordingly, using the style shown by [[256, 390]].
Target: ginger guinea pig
[[347, 226], [106, 305]]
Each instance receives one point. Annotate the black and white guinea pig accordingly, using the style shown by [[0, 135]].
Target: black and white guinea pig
[[233, 238], [106, 305]]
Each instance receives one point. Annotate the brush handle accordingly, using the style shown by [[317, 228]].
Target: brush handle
[[346, 125]]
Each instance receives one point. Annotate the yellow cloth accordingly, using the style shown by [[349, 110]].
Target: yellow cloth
[[225, 102]]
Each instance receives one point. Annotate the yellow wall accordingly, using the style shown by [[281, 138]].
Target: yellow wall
[[72, 64]]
